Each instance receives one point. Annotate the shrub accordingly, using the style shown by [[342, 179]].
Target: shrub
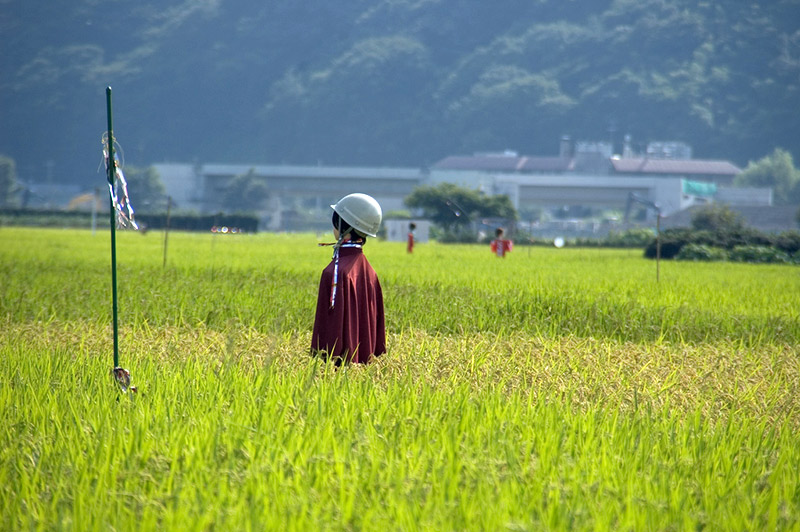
[[701, 252], [788, 242], [672, 240], [745, 236], [449, 236], [178, 222], [758, 254], [717, 218], [632, 238]]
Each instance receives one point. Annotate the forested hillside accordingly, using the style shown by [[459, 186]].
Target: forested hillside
[[390, 82]]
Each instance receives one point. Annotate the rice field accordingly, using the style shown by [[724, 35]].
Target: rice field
[[557, 389]]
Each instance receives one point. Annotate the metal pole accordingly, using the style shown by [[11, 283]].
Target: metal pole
[[95, 199], [166, 230], [112, 172], [658, 245]]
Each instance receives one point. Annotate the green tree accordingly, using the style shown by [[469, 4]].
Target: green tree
[[716, 218], [8, 181], [499, 206], [145, 189], [453, 207], [776, 170], [245, 193]]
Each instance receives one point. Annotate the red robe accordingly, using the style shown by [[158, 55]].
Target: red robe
[[354, 328]]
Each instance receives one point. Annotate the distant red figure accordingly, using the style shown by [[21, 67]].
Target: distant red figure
[[500, 245], [411, 227]]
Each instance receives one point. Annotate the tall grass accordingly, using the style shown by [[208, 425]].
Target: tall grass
[[262, 440], [504, 402]]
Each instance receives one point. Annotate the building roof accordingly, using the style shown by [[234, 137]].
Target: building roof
[[504, 163], [412, 174], [674, 167]]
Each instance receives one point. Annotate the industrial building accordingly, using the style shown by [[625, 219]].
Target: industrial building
[[585, 174]]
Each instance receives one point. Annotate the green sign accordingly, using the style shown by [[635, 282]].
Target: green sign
[[698, 188]]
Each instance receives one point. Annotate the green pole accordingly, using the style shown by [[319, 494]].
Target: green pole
[[112, 172]]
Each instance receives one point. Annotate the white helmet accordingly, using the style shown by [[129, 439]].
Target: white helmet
[[361, 211]]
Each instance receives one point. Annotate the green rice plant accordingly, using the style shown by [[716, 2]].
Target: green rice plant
[[444, 432], [269, 282]]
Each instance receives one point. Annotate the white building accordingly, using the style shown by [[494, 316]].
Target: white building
[[587, 176], [591, 178], [299, 196]]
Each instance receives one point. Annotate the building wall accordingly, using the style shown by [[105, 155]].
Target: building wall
[[744, 196], [181, 183], [475, 179], [397, 230], [611, 192], [293, 190]]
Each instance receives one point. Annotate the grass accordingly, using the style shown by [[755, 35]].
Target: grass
[[269, 283], [561, 390]]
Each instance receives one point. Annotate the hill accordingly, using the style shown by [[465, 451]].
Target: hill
[[390, 82]]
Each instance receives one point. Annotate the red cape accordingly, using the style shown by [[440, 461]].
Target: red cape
[[501, 246], [354, 329]]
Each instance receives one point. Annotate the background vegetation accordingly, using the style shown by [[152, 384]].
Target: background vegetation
[[776, 171], [719, 233], [391, 82]]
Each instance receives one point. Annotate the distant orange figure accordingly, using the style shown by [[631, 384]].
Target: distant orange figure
[[500, 245], [411, 228]]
